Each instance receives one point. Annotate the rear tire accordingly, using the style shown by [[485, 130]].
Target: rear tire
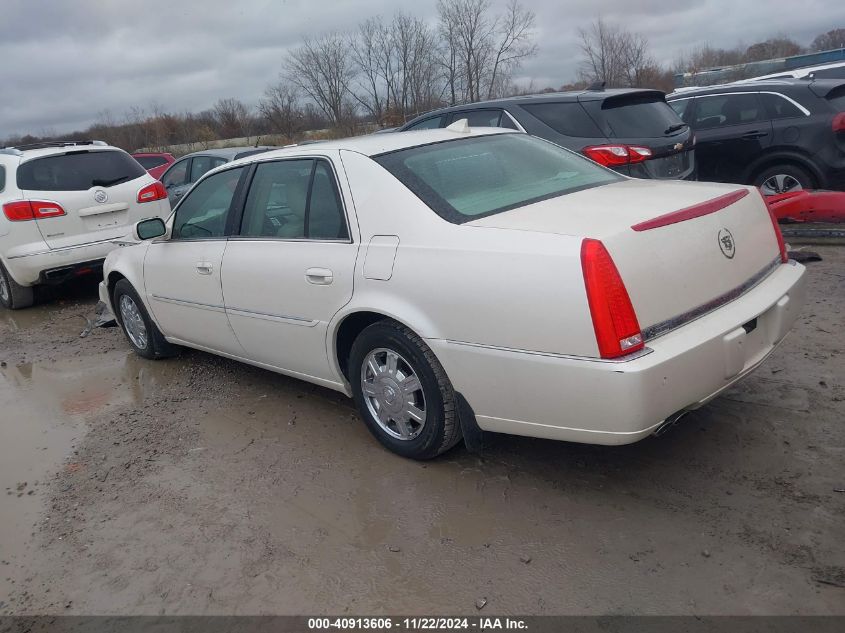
[[142, 334], [409, 403], [783, 179], [13, 296]]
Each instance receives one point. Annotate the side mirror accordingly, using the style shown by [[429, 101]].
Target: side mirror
[[149, 229]]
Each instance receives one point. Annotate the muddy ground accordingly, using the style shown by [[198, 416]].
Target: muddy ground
[[199, 485]]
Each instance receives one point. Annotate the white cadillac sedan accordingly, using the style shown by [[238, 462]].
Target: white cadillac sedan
[[460, 280]]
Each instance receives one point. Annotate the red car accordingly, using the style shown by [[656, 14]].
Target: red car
[[154, 163]]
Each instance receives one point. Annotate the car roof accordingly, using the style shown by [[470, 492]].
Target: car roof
[[761, 85], [375, 144], [228, 152], [545, 97], [39, 150]]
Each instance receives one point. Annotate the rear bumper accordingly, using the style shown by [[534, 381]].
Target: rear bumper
[[29, 266], [604, 402]]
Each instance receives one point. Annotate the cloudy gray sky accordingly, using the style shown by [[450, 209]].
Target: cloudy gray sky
[[64, 61]]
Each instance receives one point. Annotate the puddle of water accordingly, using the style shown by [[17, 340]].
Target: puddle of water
[[43, 413]]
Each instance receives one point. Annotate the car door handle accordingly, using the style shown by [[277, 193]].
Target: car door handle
[[319, 276], [204, 268], [754, 134]]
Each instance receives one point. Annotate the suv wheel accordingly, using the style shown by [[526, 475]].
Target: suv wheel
[[402, 392], [143, 335], [783, 179], [12, 295]]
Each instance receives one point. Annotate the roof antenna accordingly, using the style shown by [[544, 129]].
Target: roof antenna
[[461, 126], [597, 86]]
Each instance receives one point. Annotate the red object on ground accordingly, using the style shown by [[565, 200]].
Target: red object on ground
[[808, 206]]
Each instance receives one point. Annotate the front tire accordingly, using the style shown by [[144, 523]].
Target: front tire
[[402, 392], [142, 334], [13, 296]]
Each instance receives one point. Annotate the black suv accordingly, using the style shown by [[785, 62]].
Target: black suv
[[629, 130], [780, 135]]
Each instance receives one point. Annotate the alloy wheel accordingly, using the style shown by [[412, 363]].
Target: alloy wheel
[[780, 183]]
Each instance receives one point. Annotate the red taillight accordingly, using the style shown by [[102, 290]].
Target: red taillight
[[839, 122], [617, 155], [614, 320], [784, 256], [155, 191], [23, 210]]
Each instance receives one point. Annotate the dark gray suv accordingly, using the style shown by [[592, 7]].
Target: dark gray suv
[[630, 130]]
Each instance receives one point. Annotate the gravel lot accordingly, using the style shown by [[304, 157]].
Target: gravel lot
[[202, 486]]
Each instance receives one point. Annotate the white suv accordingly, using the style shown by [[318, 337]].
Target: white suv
[[63, 205]]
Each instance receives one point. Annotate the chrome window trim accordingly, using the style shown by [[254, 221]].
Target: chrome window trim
[[664, 327], [519, 127], [748, 92]]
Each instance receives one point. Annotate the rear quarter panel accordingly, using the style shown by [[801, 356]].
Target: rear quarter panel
[[488, 286]]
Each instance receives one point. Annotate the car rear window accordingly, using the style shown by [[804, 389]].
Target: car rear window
[[148, 162], [836, 98], [2, 178], [474, 177], [78, 171], [638, 116], [565, 118]]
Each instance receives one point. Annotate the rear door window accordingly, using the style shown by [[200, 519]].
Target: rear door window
[[638, 116], [681, 107], [778, 107], [569, 119], [148, 162], [426, 124], [176, 174], [294, 200], [202, 164], [78, 171], [727, 109], [479, 118]]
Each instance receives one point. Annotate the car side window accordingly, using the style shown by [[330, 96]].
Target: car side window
[[727, 109], [175, 176], [294, 199], [681, 107], [426, 124], [777, 107], [203, 211], [202, 164], [479, 118]]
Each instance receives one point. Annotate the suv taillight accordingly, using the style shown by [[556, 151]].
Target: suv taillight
[[155, 191], [784, 256], [614, 320], [617, 155], [24, 210], [839, 122]]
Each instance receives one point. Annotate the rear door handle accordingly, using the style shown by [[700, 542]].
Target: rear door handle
[[204, 268], [755, 134], [319, 276]]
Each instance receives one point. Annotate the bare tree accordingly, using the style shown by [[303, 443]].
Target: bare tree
[[280, 108], [830, 40], [616, 57], [232, 118], [481, 51], [324, 70], [771, 48]]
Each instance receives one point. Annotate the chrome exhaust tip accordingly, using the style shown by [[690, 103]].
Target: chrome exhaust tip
[[670, 421]]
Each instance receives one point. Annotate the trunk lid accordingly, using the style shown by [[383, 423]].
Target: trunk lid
[[98, 190], [672, 270]]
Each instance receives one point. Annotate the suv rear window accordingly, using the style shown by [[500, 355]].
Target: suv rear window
[[148, 162], [638, 116], [78, 171], [565, 118], [465, 179], [836, 98]]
